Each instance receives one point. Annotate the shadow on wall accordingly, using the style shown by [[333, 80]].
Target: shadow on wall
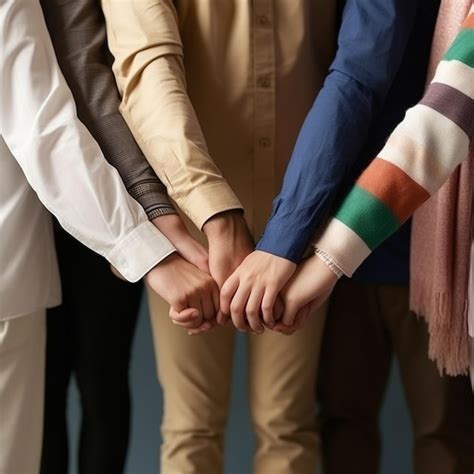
[[143, 455]]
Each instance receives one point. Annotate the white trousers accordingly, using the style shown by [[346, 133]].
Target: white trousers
[[22, 366]]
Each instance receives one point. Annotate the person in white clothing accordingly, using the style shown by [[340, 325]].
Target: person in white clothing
[[49, 161]]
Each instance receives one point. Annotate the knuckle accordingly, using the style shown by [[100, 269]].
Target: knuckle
[[252, 316], [226, 289], [180, 301], [290, 301], [235, 308], [239, 324]]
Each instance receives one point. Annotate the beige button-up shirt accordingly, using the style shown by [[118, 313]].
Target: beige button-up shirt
[[219, 87]]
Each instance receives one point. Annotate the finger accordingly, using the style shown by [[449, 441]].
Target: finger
[[188, 314], [208, 309], [204, 327], [215, 298], [227, 293], [289, 314], [282, 329], [252, 310], [188, 318], [302, 317], [268, 305], [222, 319], [238, 305], [195, 302], [278, 309]]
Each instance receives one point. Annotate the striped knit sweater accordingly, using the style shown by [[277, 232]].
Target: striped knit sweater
[[419, 156]]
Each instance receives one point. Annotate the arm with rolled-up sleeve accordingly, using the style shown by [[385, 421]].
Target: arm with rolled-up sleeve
[[60, 159], [144, 39]]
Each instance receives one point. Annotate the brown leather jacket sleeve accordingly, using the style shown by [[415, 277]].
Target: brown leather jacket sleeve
[[78, 33]]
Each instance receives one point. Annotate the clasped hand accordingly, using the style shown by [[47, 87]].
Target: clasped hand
[[252, 289]]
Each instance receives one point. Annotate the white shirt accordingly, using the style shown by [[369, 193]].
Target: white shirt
[[49, 160]]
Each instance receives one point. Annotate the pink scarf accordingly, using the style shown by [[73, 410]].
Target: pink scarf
[[441, 238]]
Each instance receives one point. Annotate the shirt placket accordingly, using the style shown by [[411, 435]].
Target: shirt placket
[[263, 45]]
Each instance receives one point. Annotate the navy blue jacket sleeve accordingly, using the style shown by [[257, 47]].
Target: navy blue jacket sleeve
[[371, 44]]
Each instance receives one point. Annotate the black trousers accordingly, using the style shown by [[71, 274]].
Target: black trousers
[[366, 326], [89, 337]]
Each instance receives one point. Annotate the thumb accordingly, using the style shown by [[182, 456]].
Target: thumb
[[188, 318]]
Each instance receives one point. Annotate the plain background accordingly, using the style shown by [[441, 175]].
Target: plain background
[[143, 457]]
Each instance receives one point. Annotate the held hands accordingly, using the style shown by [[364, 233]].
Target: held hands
[[257, 289], [310, 286], [271, 291], [249, 295], [192, 294], [229, 243], [183, 279]]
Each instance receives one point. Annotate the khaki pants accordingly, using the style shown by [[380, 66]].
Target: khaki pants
[[366, 325], [196, 372], [22, 359]]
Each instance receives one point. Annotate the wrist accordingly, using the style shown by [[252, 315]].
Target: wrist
[[159, 267], [225, 222], [170, 225]]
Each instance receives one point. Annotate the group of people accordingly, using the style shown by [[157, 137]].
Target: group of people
[[158, 133]]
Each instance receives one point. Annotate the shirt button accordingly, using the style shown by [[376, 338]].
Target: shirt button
[[264, 142], [264, 82], [263, 20]]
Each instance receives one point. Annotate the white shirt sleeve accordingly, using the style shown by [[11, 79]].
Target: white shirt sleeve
[[60, 159]]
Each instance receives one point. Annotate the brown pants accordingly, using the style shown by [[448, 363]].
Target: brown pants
[[366, 325], [196, 374]]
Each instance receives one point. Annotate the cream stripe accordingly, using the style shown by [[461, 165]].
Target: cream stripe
[[427, 146], [456, 74], [343, 245]]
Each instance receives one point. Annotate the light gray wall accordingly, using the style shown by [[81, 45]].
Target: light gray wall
[[145, 442]]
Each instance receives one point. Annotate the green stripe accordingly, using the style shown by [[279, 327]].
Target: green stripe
[[367, 216], [463, 48]]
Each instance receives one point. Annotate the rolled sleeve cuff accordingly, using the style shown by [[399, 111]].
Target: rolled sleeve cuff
[[139, 251], [153, 198], [343, 246], [204, 202], [161, 211], [329, 261], [284, 241]]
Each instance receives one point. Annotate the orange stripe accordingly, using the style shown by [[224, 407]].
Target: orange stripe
[[393, 187], [468, 22]]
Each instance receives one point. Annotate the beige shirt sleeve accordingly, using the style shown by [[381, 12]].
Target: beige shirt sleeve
[[144, 39]]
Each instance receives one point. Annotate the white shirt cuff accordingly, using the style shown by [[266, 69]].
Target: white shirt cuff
[[139, 251]]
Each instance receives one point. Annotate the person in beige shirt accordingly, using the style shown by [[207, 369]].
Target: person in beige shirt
[[243, 75]]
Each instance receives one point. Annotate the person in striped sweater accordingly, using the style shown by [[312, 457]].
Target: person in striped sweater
[[434, 138]]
